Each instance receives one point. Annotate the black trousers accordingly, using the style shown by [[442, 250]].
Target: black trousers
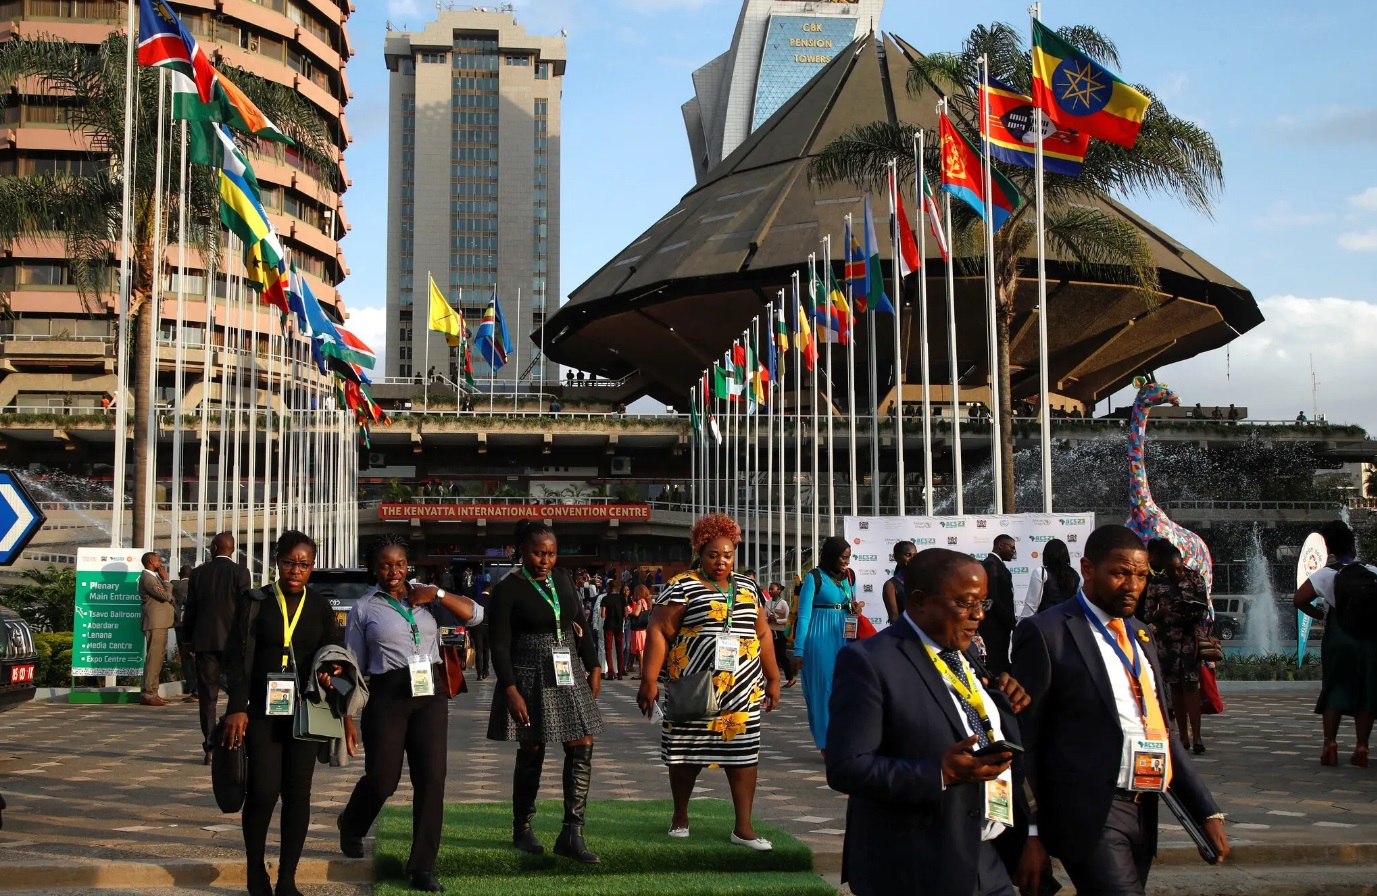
[[279, 766], [208, 671], [191, 678], [397, 725], [478, 638], [1122, 858], [784, 657], [990, 877]]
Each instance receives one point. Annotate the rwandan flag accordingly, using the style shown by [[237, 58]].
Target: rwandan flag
[[963, 177], [1012, 139], [1079, 95], [492, 339]]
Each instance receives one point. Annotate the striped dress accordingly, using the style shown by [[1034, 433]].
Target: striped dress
[[732, 738]]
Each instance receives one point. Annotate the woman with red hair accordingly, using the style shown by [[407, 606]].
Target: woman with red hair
[[712, 620]]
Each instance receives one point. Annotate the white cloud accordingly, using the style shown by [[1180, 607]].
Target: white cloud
[[1365, 241], [1366, 200], [1331, 126], [1282, 215], [1267, 370], [370, 325], [403, 8]]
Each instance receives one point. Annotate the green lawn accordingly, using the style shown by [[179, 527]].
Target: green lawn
[[477, 858]]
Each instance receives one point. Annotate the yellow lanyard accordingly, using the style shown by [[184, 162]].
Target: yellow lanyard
[[964, 688], [288, 625]]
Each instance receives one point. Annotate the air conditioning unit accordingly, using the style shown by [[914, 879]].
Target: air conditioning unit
[[621, 466], [376, 459]]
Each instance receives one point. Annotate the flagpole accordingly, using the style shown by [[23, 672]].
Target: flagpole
[[463, 345], [798, 426], [920, 181], [955, 367], [146, 538], [540, 392], [1044, 386], [900, 471], [119, 486], [207, 379], [783, 515], [425, 390], [773, 406], [871, 351], [179, 365], [753, 443], [831, 407], [853, 469], [251, 511], [817, 465], [226, 424], [516, 355], [992, 310]]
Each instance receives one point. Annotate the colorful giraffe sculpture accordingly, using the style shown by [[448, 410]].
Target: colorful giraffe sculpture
[[1144, 516]]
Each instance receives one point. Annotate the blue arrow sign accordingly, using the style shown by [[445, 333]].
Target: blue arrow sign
[[20, 518]]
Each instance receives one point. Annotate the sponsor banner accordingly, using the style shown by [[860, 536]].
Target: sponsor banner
[[107, 635], [872, 540], [462, 512], [1314, 554]]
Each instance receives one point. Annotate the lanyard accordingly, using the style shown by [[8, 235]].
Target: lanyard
[[409, 617], [551, 597], [964, 688], [729, 594], [1134, 668], [288, 625]]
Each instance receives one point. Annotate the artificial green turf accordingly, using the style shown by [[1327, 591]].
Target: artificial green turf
[[477, 856]]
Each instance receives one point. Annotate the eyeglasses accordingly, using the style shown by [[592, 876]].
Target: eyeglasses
[[967, 607], [296, 564]]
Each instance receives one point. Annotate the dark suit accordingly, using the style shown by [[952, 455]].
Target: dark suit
[[213, 591], [892, 718], [998, 625], [1074, 742]]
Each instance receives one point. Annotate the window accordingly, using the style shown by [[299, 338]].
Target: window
[[542, 71], [517, 60], [434, 58]]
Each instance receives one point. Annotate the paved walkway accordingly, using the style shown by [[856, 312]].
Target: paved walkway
[[102, 785]]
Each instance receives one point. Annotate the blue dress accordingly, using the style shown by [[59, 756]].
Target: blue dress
[[818, 638]]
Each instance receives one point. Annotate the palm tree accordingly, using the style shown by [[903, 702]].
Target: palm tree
[[87, 83], [1172, 156]]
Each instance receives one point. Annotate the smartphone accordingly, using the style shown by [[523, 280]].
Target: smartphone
[[999, 746]]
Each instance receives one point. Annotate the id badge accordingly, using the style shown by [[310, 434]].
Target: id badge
[[564, 668], [851, 626], [281, 694], [422, 677], [1149, 765], [728, 653], [999, 799]]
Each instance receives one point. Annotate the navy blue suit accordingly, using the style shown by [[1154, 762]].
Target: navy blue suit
[[892, 718], [1073, 739]]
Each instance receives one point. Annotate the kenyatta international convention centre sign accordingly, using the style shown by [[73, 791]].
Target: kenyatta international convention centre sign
[[107, 638], [573, 513]]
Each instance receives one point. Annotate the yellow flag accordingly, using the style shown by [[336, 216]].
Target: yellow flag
[[443, 318]]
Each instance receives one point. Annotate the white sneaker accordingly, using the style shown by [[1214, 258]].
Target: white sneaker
[[679, 833], [759, 844]]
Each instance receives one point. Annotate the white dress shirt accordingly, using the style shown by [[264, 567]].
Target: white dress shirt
[[1130, 721], [992, 829]]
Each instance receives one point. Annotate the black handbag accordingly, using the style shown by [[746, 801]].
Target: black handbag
[[229, 773], [691, 698]]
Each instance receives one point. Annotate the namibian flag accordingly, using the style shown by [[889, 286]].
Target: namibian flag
[[963, 177], [492, 339], [1080, 95], [165, 42], [1011, 131]]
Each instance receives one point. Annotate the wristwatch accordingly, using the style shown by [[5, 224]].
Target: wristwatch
[[439, 594]]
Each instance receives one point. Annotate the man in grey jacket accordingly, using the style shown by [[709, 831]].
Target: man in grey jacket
[[157, 619]]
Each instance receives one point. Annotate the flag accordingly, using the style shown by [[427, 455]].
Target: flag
[[874, 274], [803, 338], [779, 345], [909, 260], [853, 271], [229, 105], [695, 421], [963, 177], [212, 145], [1078, 94], [265, 266], [725, 386], [934, 217], [353, 350], [468, 364], [443, 318], [835, 314], [164, 42], [1010, 130], [492, 339], [760, 376], [311, 319]]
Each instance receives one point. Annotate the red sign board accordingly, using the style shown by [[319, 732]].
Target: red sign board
[[557, 512]]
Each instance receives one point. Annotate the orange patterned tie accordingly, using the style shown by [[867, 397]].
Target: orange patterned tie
[[1155, 726]]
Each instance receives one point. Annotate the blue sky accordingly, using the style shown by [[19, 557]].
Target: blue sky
[[1284, 88]]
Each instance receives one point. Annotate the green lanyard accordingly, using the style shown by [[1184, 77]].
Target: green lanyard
[[551, 597], [409, 617], [288, 625], [844, 586], [729, 595]]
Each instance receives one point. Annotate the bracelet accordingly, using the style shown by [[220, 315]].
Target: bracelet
[[1220, 815]]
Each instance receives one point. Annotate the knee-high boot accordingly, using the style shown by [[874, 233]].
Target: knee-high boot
[[578, 774], [525, 787]]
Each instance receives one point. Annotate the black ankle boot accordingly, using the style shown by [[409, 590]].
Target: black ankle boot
[[286, 885], [351, 846], [525, 788], [578, 774], [259, 883], [426, 882]]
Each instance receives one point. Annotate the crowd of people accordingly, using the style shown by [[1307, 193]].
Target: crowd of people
[[975, 737]]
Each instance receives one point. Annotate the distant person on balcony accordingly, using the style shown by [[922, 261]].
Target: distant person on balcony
[[1077, 414], [580, 376], [1197, 412], [1300, 418], [1233, 413], [569, 377], [468, 404], [555, 406], [1216, 414]]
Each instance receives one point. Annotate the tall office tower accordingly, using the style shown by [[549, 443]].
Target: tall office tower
[[56, 352], [778, 46], [473, 185]]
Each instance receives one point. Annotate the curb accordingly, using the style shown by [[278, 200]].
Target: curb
[[169, 873], [1266, 688]]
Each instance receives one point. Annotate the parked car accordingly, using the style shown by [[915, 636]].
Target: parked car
[[343, 587], [20, 662]]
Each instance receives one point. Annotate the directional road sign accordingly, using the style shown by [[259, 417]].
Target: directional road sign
[[20, 518]]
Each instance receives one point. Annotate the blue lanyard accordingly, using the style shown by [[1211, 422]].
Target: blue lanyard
[[1135, 667]]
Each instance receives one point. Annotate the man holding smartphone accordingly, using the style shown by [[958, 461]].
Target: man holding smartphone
[[924, 743]]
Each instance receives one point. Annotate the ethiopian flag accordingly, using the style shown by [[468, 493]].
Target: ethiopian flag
[[1078, 94], [963, 176]]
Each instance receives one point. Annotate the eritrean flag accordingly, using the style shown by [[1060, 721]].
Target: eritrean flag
[[963, 177], [1078, 94], [1010, 130]]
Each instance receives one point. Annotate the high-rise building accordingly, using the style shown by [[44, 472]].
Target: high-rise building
[[57, 352], [778, 46], [473, 184]]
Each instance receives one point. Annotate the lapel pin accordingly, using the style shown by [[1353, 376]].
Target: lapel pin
[[1142, 635]]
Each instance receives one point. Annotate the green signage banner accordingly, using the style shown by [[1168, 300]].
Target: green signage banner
[[107, 638]]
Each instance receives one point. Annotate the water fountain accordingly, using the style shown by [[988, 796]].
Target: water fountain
[[1260, 615]]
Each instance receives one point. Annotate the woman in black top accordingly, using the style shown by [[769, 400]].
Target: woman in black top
[[547, 680], [278, 764], [614, 627]]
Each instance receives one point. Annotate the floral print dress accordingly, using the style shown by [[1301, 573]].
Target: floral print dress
[[1179, 629], [732, 737]]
